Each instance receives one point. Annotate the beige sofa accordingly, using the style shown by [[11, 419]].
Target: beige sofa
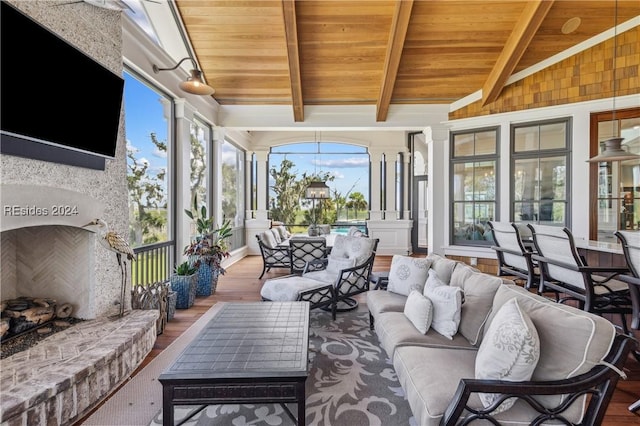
[[577, 351]]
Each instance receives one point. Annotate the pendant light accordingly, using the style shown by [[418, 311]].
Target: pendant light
[[613, 147]]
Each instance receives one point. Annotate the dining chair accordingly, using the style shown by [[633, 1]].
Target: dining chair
[[514, 258], [630, 242], [273, 256], [596, 289], [306, 249]]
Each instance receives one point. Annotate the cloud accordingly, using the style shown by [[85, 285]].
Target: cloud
[[345, 162], [131, 148], [143, 160], [158, 153]]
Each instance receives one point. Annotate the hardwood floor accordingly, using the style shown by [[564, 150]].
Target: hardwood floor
[[240, 283]]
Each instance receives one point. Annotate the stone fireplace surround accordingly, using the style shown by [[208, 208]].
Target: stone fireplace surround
[[57, 381]]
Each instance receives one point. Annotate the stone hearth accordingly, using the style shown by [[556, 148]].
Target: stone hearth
[[66, 375]]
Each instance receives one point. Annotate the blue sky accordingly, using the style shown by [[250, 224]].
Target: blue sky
[[349, 164]]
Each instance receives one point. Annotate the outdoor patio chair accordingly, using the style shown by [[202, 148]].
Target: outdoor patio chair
[[306, 249], [514, 258], [330, 282], [630, 241], [273, 256], [595, 288]]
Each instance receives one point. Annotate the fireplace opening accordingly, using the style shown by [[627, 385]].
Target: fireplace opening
[[25, 321]]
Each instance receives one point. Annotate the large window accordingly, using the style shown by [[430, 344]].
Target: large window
[[233, 190], [615, 186], [540, 167], [474, 162], [148, 146], [344, 168]]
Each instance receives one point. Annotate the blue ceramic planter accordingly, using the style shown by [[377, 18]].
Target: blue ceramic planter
[[185, 288], [207, 280]]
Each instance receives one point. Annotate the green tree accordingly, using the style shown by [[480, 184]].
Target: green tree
[[229, 192], [288, 192], [357, 202], [146, 197], [198, 168]]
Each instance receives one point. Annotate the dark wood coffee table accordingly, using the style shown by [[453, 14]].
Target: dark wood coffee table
[[247, 353]]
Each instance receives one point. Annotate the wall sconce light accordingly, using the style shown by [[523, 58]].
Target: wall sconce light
[[194, 84]]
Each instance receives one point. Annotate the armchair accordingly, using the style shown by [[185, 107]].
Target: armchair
[[329, 281], [563, 270], [273, 256]]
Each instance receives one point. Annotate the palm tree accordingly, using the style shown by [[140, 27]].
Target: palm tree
[[357, 202]]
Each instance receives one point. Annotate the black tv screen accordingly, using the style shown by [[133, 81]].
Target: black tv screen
[[53, 93]]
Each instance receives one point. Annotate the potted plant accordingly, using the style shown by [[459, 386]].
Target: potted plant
[[208, 249], [183, 282]]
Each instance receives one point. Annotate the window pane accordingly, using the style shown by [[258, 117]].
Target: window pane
[[526, 139], [463, 181], [486, 143], [526, 179], [526, 211], [463, 145], [147, 130], [198, 165], [485, 181], [553, 136], [473, 186], [539, 184]]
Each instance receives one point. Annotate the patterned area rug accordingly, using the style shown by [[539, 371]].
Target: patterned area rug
[[351, 382]]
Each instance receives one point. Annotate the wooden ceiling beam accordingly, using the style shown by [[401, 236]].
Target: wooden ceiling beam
[[399, 25], [293, 56], [517, 43]]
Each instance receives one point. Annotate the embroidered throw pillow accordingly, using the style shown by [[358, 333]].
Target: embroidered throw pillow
[[509, 351], [407, 273], [419, 310]]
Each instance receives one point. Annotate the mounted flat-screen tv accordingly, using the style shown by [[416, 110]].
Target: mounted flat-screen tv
[[54, 95]]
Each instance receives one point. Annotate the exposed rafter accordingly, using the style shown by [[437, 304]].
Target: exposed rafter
[[399, 26], [517, 43], [291, 34]]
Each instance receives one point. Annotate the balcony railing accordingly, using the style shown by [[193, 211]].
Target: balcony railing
[[153, 263]]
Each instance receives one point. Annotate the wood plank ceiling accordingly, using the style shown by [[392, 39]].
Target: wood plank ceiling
[[380, 52]]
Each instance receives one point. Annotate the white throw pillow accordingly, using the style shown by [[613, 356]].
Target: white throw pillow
[[276, 235], [407, 273], [447, 305], [509, 351], [419, 310], [268, 239], [432, 281], [337, 264]]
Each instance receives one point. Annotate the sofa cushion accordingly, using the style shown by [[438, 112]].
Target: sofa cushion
[[407, 273], [479, 290], [276, 235], [510, 351], [268, 239], [394, 330], [287, 289], [430, 382], [447, 306], [337, 264], [572, 341], [443, 266], [284, 234], [419, 311], [379, 301], [353, 247]]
